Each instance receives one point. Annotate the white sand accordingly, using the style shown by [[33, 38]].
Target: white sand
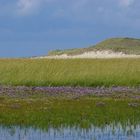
[[93, 54]]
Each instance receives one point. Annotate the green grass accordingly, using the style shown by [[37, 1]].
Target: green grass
[[125, 45], [52, 112], [72, 72]]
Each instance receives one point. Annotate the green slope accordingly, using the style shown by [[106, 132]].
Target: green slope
[[125, 45]]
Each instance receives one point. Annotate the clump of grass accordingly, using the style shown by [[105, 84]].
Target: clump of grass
[[72, 72]]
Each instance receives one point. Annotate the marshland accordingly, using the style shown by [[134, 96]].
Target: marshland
[[69, 70], [29, 112], [70, 98]]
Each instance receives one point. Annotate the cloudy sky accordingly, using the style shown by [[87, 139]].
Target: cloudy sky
[[33, 27]]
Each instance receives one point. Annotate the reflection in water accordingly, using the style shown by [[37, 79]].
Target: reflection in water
[[95, 133]]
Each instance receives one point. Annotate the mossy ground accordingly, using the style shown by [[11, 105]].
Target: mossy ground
[[57, 112]]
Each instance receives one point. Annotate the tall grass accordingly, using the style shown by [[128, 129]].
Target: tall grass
[[71, 72]]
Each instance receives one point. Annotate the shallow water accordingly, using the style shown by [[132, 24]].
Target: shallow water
[[109, 132]]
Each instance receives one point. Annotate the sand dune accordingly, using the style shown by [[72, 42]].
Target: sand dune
[[93, 54]]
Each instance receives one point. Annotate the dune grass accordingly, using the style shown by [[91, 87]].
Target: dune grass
[[72, 72]]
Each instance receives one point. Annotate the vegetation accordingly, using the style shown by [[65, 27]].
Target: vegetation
[[62, 112], [76, 72], [125, 45]]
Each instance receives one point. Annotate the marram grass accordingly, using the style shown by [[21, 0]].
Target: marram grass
[[70, 72]]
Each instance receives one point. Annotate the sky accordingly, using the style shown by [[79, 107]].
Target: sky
[[34, 27]]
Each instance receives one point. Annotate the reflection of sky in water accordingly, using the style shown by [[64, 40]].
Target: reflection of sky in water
[[95, 133]]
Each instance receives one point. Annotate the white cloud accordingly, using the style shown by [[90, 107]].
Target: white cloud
[[126, 3], [28, 6]]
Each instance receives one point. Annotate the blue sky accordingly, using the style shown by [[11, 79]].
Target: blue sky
[[33, 27]]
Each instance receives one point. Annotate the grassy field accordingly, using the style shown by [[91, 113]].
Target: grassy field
[[76, 72]]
